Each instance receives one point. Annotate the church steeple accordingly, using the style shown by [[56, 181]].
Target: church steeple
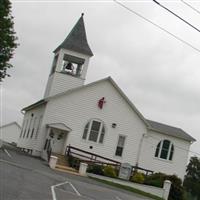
[[70, 62], [77, 39]]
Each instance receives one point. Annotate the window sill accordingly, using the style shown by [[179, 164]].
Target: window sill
[[73, 75], [164, 160], [92, 142], [118, 157]]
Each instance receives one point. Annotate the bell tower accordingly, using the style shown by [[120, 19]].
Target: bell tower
[[70, 63]]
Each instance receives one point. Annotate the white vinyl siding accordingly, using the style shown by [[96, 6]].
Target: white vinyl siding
[[149, 160], [32, 122], [76, 109]]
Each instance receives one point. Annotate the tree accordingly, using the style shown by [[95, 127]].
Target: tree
[[192, 179], [7, 38]]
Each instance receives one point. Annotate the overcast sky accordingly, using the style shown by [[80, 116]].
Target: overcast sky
[[159, 74]]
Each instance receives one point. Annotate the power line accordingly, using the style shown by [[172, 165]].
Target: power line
[[176, 15], [144, 18], [193, 8], [158, 26]]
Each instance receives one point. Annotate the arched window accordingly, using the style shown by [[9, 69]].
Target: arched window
[[94, 131], [164, 150]]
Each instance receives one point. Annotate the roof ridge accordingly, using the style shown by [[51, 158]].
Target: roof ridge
[[164, 124], [114, 85], [170, 130]]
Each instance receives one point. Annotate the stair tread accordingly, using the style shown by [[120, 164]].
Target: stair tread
[[62, 160], [67, 171], [65, 167]]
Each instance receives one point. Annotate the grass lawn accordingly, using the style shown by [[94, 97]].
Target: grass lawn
[[130, 189]]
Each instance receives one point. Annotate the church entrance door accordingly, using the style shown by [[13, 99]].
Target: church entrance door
[[58, 138]]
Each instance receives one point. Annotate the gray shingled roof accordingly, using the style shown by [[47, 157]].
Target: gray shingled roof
[[170, 130], [77, 39]]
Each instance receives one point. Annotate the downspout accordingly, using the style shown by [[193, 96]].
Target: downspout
[[139, 150]]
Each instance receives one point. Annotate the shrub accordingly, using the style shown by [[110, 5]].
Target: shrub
[[176, 191], [74, 162], [156, 180], [109, 171], [95, 169], [138, 177]]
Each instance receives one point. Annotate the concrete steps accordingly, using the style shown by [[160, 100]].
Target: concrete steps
[[62, 165], [62, 160], [66, 169]]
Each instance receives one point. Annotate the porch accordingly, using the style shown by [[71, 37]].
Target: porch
[[56, 140]]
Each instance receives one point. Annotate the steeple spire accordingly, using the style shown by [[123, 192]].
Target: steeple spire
[[77, 39], [70, 63]]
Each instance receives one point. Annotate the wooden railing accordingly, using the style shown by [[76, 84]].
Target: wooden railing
[[92, 158]]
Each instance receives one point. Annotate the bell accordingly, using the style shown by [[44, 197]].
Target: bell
[[69, 66]]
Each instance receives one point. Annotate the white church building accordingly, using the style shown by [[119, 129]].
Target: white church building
[[97, 117]]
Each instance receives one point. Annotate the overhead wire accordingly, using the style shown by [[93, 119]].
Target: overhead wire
[[173, 13], [193, 8], [158, 26]]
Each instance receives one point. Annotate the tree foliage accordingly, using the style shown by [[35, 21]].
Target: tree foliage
[[7, 37], [192, 179], [157, 179]]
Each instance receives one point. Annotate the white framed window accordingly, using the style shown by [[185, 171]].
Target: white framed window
[[120, 145], [38, 126], [29, 128], [22, 130], [25, 125], [94, 131], [165, 150], [33, 128]]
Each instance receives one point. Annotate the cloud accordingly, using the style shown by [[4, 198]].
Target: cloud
[[157, 72]]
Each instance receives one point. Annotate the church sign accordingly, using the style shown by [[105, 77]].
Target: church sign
[[125, 171]]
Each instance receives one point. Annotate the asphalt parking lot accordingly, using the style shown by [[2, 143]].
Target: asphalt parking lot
[[23, 177]]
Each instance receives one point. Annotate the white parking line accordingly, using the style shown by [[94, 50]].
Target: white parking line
[[53, 193], [75, 189], [59, 184], [7, 153]]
